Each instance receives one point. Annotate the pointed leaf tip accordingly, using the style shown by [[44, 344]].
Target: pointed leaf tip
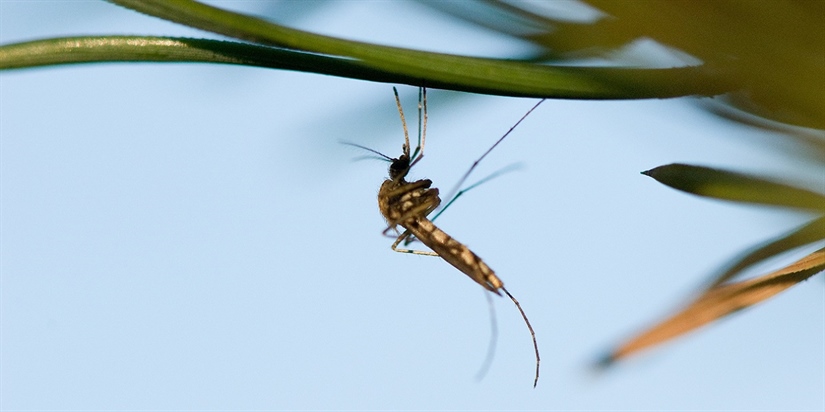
[[737, 187], [719, 302], [605, 361]]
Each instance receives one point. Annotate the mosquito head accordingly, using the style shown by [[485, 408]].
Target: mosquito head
[[399, 167]]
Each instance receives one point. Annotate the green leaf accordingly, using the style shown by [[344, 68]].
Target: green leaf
[[720, 184], [471, 74], [95, 49]]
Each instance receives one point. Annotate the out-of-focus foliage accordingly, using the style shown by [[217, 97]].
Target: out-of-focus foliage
[[330, 55], [722, 296], [765, 58], [771, 52], [720, 301]]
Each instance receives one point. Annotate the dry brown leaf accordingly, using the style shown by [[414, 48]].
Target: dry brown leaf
[[721, 301]]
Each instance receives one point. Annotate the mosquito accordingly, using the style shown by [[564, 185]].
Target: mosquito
[[408, 204]]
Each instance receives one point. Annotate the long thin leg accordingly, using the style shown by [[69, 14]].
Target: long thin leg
[[403, 122], [414, 252], [491, 347], [465, 190], [466, 175], [422, 126], [532, 334]]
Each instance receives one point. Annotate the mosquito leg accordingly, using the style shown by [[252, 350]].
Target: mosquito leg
[[409, 187], [422, 126], [414, 252], [491, 347], [420, 210], [532, 334], [492, 176], [470, 170], [403, 122]]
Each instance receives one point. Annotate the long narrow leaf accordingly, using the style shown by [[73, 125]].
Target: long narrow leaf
[[96, 49], [737, 187], [811, 232], [720, 302], [491, 76]]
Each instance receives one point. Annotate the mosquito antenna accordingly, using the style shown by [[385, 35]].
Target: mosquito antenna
[[466, 175], [367, 149], [532, 332], [403, 122], [491, 347]]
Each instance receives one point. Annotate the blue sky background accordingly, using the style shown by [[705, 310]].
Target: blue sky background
[[193, 237]]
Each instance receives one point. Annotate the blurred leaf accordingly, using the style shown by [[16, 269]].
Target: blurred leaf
[[775, 50], [768, 57], [524, 79], [772, 51], [720, 184], [490, 76], [719, 302], [802, 143], [811, 232]]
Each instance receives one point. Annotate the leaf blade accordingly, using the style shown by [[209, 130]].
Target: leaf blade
[[717, 303], [737, 187], [471, 74]]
